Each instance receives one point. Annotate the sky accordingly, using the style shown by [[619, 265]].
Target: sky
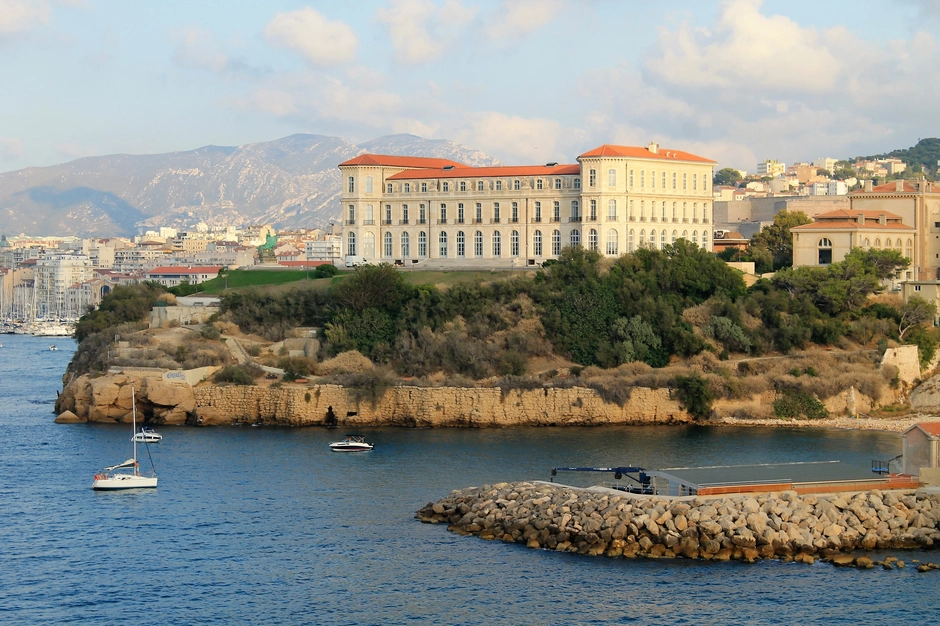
[[526, 81]]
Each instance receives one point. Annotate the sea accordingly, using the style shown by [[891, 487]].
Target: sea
[[268, 526]]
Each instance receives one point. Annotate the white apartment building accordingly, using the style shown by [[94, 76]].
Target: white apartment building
[[826, 163], [55, 274], [837, 188], [329, 249], [771, 168], [407, 210]]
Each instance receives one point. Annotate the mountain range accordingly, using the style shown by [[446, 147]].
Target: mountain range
[[291, 182]]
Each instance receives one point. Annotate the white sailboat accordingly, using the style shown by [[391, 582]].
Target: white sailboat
[[111, 479]]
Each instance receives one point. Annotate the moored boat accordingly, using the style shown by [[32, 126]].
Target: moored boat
[[110, 479], [352, 443], [148, 435]]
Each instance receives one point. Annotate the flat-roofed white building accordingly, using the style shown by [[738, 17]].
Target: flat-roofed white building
[[410, 210]]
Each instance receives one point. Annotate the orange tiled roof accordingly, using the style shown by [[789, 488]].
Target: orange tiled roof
[[484, 172], [400, 161], [930, 427], [179, 269], [665, 154], [852, 224], [852, 214], [891, 187]]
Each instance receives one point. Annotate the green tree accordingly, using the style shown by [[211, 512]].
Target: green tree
[[776, 238], [727, 176], [373, 287], [915, 312]]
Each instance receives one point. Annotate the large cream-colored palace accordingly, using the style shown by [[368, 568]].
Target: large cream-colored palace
[[407, 210]]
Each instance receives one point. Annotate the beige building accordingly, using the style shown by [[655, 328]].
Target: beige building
[[771, 168], [929, 290], [409, 210]]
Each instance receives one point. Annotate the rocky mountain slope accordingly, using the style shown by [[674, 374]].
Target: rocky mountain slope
[[289, 182]]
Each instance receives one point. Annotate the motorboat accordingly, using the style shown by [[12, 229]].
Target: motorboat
[[112, 478], [53, 348], [146, 434], [351, 443]]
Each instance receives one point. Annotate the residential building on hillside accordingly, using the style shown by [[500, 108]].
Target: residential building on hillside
[[171, 276], [55, 274], [409, 210], [826, 163], [771, 168]]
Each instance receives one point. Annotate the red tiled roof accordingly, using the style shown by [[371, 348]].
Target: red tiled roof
[[891, 187], [852, 224], [852, 214], [495, 172], [178, 269], [400, 161], [930, 427], [638, 152]]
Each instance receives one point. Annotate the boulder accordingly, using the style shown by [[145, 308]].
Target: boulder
[[169, 394], [67, 417]]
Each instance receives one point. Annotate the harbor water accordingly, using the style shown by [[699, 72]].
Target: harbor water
[[268, 526]]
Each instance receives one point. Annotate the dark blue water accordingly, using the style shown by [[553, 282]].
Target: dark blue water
[[267, 526]]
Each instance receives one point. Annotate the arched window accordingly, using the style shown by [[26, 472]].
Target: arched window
[[694, 211], [685, 235], [867, 243], [642, 241], [695, 237], [478, 244], [630, 241], [422, 244], [705, 239], [497, 244], [575, 237], [368, 245], [442, 241], [556, 242], [877, 243], [653, 239], [388, 244], [514, 243], [537, 243], [405, 246], [909, 249], [825, 251], [592, 239], [662, 239], [613, 244], [612, 177], [675, 235], [351, 244], [461, 244]]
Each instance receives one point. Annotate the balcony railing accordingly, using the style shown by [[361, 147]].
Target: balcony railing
[[368, 222], [537, 220], [387, 222], [495, 220], [403, 221], [514, 220], [574, 218], [478, 220], [442, 221], [350, 222], [612, 218], [421, 220], [460, 220]]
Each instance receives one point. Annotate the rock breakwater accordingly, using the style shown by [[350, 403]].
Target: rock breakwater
[[605, 522]]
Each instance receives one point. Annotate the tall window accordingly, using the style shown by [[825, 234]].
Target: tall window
[[611, 177], [388, 214], [422, 244], [370, 217], [515, 212], [642, 241], [575, 238], [516, 185], [460, 213], [538, 211], [499, 185], [704, 182], [404, 214], [442, 239], [352, 184], [351, 244], [388, 188], [388, 244], [424, 187], [368, 184], [556, 211], [664, 180], [405, 246], [592, 239], [368, 245], [352, 214], [514, 243], [479, 185], [422, 217], [556, 242], [685, 181], [653, 239], [463, 185], [479, 213], [630, 241], [577, 183], [461, 244], [674, 236], [497, 247], [612, 209], [613, 246], [537, 243], [592, 178], [478, 244], [557, 183], [574, 210], [443, 213], [694, 182], [631, 214], [630, 179], [825, 251], [662, 239], [407, 187], [684, 210], [674, 205], [695, 237], [673, 181], [496, 212], [653, 179], [642, 209], [593, 215], [694, 211], [642, 179]]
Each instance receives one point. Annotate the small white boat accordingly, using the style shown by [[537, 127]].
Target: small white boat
[[53, 348], [351, 443], [109, 479], [148, 435]]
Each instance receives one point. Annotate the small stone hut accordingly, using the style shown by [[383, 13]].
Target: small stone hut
[[922, 452]]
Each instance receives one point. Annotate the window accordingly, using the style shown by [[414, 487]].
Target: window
[[685, 181], [613, 245], [642, 179], [557, 183], [442, 240], [368, 184], [424, 187], [577, 183], [537, 243], [631, 179], [461, 251], [515, 212], [422, 218], [825, 251], [642, 210], [556, 242], [575, 238], [405, 246], [479, 213], [388, 245], [908, 249], [446, 186], [685, 235], [612, 209], [352, 214], [664, 211], [592, 239], [674, 216], [916, 287], [664, 180], [388, 188], [370, 218], [407, 187], [404, 214], [592, 214], [611, 177], [514, 243], [556, 211], [575, 215], [695, 237], [422, 244], [538, 211], [538, 184], [694, 210], [352, 184], [674, 236], [443, 213], [460, 213], [351, 244], [516, 185], [592, 178], [694, 182], [478, 244], [653, 239], [499, 185], [631, 210], [877, 243], [368, 245], [642, 238], [388, 214], [673, 181], [704, 183], [496, 212], [867, 243], [705, 239], [653, 179], [630, 241], [662, 239], [497, 250], [479, 185], [684, 207], [463, 185]]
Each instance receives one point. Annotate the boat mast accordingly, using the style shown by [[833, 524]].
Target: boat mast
[[134, 433]]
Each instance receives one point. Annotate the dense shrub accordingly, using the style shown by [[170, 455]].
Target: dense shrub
[[238, 374], [797, 404], [694, 394]]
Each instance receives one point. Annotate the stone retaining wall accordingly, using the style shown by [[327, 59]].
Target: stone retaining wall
[[600, 521]]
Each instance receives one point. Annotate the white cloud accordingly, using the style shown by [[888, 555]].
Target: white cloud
[[20, 16], [321, 41], [517, 18], [10, 148], [514, 138], [421, 30], [196, 48]]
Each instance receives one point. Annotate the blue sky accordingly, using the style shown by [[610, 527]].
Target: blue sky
[[527, 81]]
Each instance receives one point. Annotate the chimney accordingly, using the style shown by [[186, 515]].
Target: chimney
[[653, 147], [869, 186], [882, 219], [899, 186], [860, 218]]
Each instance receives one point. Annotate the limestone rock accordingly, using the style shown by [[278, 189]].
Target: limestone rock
[[67, 417]]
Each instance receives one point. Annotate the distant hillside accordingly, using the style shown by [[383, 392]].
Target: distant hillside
[[925, 154], [289, 182]]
